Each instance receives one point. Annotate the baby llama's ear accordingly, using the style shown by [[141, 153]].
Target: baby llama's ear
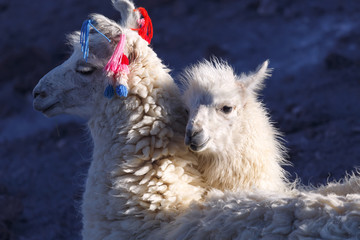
[[129, 17], [254, 81]]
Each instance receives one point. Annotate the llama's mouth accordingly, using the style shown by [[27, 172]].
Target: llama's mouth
[[198, 148], [48, 108]]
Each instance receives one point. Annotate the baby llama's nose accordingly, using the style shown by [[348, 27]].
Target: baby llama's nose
[[192, 135]]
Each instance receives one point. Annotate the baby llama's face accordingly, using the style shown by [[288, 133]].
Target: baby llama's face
[[215, 98], [71, 88], [212, 118]]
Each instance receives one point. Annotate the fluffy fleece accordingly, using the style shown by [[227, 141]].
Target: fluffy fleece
[[229, 129], [316, 214], [141, 173]]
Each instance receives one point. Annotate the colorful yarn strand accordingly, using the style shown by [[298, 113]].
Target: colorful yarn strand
[[109, 91], [117, 67], [116, 63], [146, 28], [121, 90], [84, 37]]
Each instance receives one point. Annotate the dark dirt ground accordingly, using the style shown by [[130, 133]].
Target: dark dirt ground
[[313, 96]]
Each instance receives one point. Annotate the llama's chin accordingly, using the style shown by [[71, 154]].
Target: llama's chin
[[50, 110]]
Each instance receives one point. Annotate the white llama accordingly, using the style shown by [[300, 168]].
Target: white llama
[[141, 172], [229, 129]]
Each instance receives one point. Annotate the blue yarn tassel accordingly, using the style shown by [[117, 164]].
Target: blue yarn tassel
[[109, 91], [121, 90], [84, 37]]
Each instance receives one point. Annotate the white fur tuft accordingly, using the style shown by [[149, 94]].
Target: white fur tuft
[[255, 81], [129, 18]]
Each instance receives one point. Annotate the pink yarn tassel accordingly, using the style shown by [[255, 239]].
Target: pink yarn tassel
[[114, 65]]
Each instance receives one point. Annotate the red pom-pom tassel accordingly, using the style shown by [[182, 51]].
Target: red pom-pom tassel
[[124, 60], [146, 29]]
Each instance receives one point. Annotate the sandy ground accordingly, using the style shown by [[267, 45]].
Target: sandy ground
[[313, 96]]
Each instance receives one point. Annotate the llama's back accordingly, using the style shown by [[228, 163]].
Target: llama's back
[[255, 215]]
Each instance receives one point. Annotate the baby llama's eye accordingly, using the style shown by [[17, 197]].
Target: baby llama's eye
[[226, 109]]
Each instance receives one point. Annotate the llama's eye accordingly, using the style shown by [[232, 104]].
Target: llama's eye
[[187, 111], [85, 70], [226, 109]]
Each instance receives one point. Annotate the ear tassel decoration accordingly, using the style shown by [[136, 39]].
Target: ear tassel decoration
[[117, 67], [145, 29], [84, 37], [121, 90], [109, 91], [114, 65]]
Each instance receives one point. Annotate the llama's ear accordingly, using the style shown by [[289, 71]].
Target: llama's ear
[[129, 18], [254, 81]]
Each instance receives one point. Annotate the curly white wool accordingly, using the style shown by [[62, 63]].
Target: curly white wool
[[324, 213]]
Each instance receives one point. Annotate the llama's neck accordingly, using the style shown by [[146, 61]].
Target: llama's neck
[[139, 156], [253, 157], [108, 130]]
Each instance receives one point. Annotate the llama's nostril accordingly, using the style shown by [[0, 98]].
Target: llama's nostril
[[39, 94], [194, 133]]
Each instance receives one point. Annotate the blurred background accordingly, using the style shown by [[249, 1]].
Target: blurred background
[[313, 96]]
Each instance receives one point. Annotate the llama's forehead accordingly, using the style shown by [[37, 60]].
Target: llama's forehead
[[209, 75], [208, 83], [210, 93], [99, 47]]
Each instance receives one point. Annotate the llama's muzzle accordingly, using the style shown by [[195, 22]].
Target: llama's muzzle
[[196, 140], [42, 102]]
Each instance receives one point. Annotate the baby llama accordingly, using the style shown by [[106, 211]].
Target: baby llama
[[237, 147], [229, 129]]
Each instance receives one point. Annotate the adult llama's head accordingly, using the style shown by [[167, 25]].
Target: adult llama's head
[[104, 53]]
